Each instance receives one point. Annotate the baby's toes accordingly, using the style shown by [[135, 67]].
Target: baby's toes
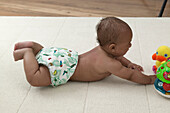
[[21, 45], [17, 55], [16, 46], [14, 55]]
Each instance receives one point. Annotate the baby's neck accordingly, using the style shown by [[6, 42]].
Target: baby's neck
[[106, 52]]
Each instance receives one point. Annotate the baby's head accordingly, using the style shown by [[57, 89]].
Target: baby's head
[[114, 36]]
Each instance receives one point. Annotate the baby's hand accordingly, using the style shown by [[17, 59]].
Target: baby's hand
[[141, 78], [135, 66], [153, 78]]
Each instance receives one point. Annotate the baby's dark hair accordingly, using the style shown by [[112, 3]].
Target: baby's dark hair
[[109, 29]]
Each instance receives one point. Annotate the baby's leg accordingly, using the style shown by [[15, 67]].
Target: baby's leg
[[28, 44], [36, 75]]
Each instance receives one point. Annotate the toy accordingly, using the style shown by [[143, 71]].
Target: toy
[[162, 83], [162, 54]]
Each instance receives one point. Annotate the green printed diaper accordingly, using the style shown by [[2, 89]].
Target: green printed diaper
[[60, 61]]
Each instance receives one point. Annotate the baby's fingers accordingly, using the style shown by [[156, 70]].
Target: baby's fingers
[[141, 68], [133, 67], [153, 78]]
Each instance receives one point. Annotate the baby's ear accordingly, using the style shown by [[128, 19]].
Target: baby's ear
[[112, 48]]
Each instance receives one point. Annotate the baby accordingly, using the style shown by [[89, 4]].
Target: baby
[[55, 66]]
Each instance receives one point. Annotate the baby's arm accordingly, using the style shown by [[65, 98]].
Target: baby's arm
[[116, 68], [127, 63]]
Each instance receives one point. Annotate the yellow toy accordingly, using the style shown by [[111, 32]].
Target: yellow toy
[[162, 55]]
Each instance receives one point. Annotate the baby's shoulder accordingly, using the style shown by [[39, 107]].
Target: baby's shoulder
[[112, 61], [108, 64], [108, 61]]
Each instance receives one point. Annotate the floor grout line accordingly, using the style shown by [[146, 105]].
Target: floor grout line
[[140, 51], [85, 101], [23, 100], [147, 97], [59, 30]]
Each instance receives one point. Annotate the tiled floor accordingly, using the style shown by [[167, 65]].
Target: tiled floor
[[111, 95]]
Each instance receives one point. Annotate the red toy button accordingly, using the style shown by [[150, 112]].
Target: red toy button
[[166, 86]]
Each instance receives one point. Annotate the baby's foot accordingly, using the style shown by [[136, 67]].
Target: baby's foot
[[28, 44], [19, 54], [20, 45]]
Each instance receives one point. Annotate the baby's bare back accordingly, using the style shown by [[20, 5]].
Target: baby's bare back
[[91, 66], [96, 65]]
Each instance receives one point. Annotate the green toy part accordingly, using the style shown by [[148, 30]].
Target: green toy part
[[163, 72]]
